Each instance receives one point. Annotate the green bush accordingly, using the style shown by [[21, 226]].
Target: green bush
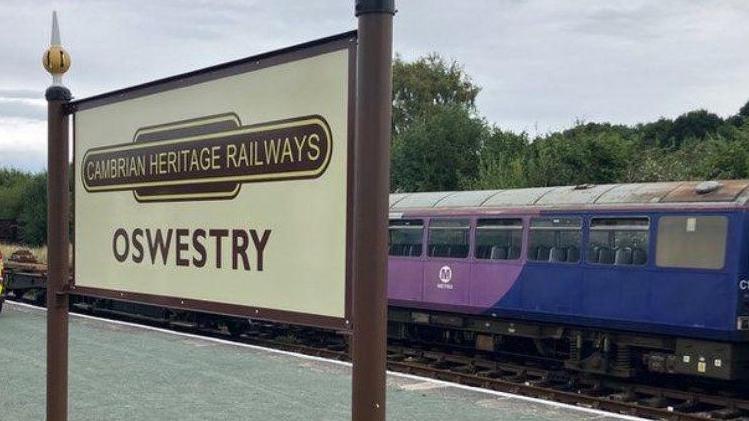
[[33, 216]]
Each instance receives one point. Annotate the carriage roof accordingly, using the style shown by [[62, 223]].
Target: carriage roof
[[682, 193]]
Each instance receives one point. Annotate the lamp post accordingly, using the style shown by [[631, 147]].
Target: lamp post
[[57, 62]]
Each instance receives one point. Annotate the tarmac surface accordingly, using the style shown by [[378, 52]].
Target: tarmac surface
[[120, 371]]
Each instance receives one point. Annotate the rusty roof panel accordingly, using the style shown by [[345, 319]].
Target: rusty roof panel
[[638, 193], [727, 191], [466, 199], [421, 200], [735, 191], [574, 195], [396, 197], [516, 197]]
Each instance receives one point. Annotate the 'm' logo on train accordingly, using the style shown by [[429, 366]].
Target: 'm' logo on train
[[445, 276]]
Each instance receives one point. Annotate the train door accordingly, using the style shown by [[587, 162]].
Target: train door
[[552, 276], [447, 269], [616, 281], [405, 263], [497, 259]]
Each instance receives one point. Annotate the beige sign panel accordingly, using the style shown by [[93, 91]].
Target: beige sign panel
[[226, 190]]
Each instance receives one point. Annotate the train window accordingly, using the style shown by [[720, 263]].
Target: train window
[[555, 240], [499, 239], [405, 237], [618, 241], [697, 242], [448, 238]]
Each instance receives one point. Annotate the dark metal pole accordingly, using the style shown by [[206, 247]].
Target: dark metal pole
[[372, 151], [57, 253], [57, 61]]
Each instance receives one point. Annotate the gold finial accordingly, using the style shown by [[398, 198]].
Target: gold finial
[[56, 60]]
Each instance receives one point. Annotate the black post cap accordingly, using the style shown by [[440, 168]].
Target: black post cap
[[374, 6], [58, 93]]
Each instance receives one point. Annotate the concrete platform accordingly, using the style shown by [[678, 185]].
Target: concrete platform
[[120, 371]]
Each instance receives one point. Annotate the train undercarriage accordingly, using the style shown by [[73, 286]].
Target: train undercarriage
[[589, 350], [573, 348]]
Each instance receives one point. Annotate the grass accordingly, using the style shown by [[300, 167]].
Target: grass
[[39, 252]]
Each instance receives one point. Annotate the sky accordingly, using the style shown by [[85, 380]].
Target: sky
[[542, 64]]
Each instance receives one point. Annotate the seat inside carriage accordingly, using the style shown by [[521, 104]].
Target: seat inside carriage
[[542, 253], [405, 250], [440, 250], [573, 254], [605, 256], [639, 256], [617, 256], [623, 256], [558, 254], [498, 253]]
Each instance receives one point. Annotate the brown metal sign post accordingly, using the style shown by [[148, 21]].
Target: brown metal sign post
[[56, 61], [372, 155]]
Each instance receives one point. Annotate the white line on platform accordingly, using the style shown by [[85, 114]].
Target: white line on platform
[[347, 364]]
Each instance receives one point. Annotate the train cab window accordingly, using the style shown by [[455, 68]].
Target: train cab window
[[555, 240], [499, 239], [405, 237], [449, 238], [618, 241], [696, 242]]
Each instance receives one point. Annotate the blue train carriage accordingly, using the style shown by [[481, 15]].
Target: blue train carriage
[[618, 279]]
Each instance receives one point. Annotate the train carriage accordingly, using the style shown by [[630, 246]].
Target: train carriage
[[627, 277], [620, 280]]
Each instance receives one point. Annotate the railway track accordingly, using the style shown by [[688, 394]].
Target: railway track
[[616, 396]]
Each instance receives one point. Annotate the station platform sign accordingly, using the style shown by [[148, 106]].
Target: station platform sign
[[225, 190]]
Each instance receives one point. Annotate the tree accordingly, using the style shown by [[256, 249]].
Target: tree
[[721, 158], [657, 133], [33, 216], [429, 82], [694, 124], [587, 153], [12, 186], [439, 151], [503, 161], [736, 120], [744, 111]]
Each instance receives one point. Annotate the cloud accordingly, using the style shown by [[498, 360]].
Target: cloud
[[23, 160], [21, 94], [22, 108], [22, 103], [541, 63], [23, 143]]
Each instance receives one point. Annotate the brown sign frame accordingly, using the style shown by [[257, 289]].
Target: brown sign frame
[[346, 40]]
